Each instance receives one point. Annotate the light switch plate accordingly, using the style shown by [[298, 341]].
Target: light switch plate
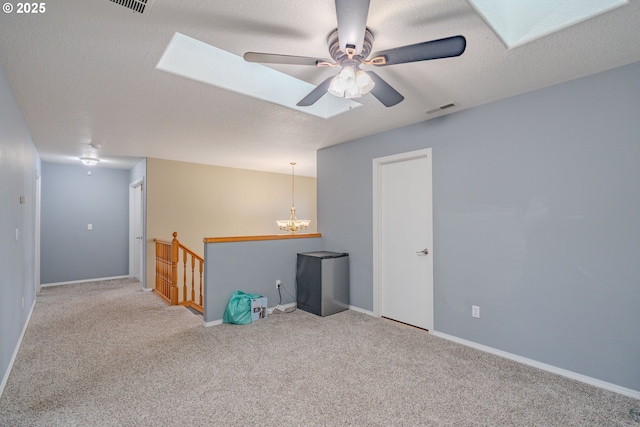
[[475, 311]]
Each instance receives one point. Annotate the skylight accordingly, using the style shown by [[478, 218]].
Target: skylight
[[518, 22], [193, 59]]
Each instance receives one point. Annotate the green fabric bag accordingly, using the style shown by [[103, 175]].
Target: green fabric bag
[[238, 311]]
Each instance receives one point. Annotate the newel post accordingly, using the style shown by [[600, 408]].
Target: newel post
[[175, 246]]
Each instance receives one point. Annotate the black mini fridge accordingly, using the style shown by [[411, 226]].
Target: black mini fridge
[[323, 282]]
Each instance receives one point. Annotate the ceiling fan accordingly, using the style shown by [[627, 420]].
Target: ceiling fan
[[350, 46]]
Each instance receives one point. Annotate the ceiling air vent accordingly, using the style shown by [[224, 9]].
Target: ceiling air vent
[[135, 5], [442, 107]]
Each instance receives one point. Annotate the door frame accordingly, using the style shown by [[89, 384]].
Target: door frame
[[378, 164], [132, 238]]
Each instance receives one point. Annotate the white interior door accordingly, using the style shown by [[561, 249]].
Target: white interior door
[[136, 231], [37, 232], [403, 280]]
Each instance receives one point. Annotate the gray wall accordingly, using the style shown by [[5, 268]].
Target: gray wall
[[71, 200], [19, 166], [536, 220], [252, 267]]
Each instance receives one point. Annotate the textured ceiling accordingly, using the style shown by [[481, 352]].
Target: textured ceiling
[[84, 72]]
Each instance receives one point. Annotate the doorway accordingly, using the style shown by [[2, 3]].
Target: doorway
[[136, 231], [403, 238]]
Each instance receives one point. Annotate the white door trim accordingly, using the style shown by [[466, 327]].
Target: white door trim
[[378, 163]]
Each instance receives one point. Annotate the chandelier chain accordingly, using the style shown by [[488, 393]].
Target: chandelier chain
[[293, 165]]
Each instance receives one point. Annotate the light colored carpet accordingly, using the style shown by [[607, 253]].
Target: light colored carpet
[[109, 354]]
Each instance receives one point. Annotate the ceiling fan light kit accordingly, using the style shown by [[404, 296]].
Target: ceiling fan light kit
[[350, 45], [350, 83]]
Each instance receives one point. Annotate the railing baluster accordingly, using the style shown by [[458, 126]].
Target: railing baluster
[[184, 275], [163, 267], [193, 292], [175, 247], [201, 268], [167, 272], [158, 248]]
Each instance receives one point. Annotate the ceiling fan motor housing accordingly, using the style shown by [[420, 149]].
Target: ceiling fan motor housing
[[339, 56]]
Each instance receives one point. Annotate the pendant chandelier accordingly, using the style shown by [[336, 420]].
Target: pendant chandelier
[[293, 224]]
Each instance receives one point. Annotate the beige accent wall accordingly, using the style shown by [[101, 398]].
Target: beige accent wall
[[201, 201]]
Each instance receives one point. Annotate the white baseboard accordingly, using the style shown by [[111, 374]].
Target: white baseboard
[[361, 310], [100, 279], [212, 323], [15, 351], [549, 368]]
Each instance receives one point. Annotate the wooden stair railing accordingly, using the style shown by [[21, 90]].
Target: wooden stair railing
[[169, 273]]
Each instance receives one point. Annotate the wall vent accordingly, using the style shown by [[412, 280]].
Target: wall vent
[[135, 5], [442, 107]]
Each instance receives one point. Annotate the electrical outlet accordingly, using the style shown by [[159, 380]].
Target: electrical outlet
[[475, 311], [278, 284]]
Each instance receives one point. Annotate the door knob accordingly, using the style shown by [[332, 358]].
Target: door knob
[[425, 251]]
